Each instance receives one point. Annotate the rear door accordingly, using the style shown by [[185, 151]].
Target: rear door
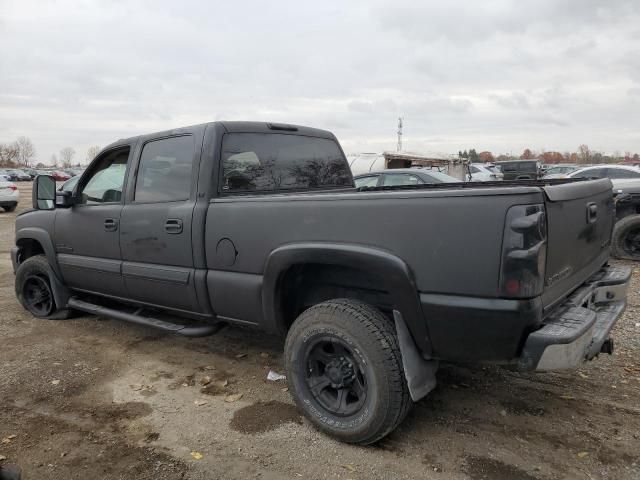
[[580, 219], [156, 224]]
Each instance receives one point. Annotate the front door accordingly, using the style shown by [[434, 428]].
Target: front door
[[156, 225], [87, 235]]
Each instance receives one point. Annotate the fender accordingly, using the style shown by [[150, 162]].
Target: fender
[[43, 238], [61, 293], [392, 272]]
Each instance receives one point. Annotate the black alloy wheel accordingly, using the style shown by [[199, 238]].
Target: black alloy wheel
[[37, 295], [335, 377], [631, 243]]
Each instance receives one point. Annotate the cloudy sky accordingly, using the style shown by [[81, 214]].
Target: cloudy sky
[[494, 75]]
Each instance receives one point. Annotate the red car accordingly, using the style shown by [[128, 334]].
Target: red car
[[60, 176]]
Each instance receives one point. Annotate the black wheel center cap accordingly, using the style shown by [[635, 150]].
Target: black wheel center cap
[[340, 372]]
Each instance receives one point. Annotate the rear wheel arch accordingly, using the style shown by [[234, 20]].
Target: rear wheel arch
[[390, 281]]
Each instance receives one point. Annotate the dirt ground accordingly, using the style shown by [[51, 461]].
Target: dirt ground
[[93, 398]]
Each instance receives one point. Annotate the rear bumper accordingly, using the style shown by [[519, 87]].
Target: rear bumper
[[578, 329]]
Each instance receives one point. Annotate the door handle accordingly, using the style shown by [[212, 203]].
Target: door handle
[[592, 212], [173, 225], [111, 224]]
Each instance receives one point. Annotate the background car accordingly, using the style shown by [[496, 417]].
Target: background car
[[70, 184], [520, 169], [60, 176], [484, 173], [9, 195], [31, 172], [20, 175], [556, 171], [613, 172], [402, 176], [74, 171], [10, 174]]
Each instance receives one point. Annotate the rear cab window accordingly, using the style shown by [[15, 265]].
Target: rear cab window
[[274, 162]]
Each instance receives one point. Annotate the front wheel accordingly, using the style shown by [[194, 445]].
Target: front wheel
[[344, 369], [625, 240], [33, 289], [9, 208]]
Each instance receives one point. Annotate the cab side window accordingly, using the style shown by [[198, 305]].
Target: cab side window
[[164, 173], [106, 181]]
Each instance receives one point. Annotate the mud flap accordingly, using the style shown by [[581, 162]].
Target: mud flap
[[420, 373]]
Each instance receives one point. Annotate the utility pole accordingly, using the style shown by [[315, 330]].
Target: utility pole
[[400, 134]]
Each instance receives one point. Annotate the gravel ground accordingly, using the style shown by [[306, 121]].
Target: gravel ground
[[94, 398]]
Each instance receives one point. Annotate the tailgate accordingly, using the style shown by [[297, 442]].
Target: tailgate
[[580, 218]]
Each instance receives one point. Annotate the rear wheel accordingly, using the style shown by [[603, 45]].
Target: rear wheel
[[625, 240], [9, 208], [344, 369], [33, 289]]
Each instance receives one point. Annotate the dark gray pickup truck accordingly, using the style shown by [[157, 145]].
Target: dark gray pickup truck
[[260, 225]]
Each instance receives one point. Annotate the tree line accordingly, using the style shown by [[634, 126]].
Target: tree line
[[21, 154], [584, 155]]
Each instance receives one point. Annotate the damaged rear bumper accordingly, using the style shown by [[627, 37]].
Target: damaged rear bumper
[[579, 329]]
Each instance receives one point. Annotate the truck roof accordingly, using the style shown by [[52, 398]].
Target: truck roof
[[237, 127]]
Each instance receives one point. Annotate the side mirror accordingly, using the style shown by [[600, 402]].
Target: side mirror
[[64, 199], [44, 193]]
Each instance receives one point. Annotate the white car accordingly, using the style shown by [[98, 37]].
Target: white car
[[614, 172], [9, 195], [484, 173]]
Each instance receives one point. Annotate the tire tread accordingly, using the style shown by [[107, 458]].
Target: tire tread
[[383, 330]]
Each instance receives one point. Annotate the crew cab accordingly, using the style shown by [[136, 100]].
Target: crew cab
[[260, 225]]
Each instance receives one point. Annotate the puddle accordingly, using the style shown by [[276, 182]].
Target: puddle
[[264, 416]]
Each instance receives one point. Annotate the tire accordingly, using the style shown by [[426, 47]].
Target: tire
[[10, 208], [34, 292], [348, 353], [625, 240]]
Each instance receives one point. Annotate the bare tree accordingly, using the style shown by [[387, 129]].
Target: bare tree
[[8, 154], [92, 152], [66, 155], [54, 160], [26, 151], [584, 153]]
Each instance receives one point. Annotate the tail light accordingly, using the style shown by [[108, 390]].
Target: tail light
[[524, 252], [12, 187]]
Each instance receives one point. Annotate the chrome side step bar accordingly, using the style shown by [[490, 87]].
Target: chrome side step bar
[[196, 330]]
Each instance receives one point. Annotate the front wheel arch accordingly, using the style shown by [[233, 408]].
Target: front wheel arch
[[33, 273]]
